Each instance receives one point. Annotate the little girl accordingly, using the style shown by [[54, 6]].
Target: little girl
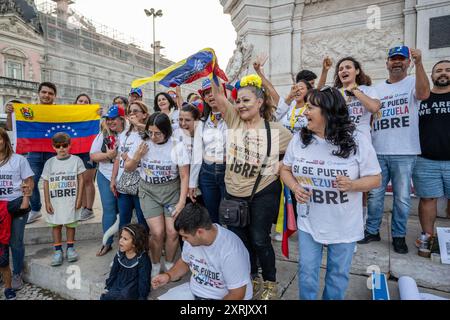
[[129, 278]]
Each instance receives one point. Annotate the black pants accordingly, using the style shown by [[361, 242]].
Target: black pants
[[256, 237]]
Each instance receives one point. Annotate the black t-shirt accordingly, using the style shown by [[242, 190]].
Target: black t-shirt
[[434, 127]]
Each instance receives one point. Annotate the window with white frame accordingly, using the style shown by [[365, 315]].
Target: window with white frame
[[14, 69]]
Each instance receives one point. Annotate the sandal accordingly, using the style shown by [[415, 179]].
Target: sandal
[[104, 250]]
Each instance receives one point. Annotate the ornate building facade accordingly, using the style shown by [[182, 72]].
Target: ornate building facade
[[21, 52], [298, 34], [54, 43]]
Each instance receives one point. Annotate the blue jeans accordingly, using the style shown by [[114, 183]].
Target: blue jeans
[[127, 203], [339, 261], [399, 169], [37, 161], [212, 185], [109, 204], [16, 242]]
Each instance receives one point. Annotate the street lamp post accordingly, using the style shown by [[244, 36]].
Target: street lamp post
[[153, 13]]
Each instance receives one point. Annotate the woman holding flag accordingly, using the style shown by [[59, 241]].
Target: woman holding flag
[[250, 171], [328, 167], [208, 165]]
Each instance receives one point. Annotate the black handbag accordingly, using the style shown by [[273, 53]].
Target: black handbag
[[236, 212]]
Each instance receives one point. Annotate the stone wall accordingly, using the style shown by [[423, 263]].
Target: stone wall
[[297, 34]]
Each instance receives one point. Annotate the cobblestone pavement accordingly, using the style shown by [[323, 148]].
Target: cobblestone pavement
[[31, 292]]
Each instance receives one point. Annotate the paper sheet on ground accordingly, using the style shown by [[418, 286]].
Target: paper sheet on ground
[[181, 292], [444, 244], [409, 291]]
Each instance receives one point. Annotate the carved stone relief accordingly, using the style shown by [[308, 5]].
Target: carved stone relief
[[364, 45], [240, 61]]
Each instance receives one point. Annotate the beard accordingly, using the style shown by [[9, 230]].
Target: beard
[[442, 81]]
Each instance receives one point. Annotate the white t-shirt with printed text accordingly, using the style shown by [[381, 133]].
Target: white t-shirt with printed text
[[63, 188], [126, 143], [160, 164], [12, 174], [220, 267], [334, 216], [395, 129], [290, 117], [105, 167], [358, 113]]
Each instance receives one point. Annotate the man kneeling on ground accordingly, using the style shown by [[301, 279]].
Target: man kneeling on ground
[[216, 257]]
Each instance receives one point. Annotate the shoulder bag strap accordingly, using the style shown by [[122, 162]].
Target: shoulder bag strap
[[264, 164]]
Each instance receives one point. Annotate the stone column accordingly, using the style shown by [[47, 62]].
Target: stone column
[[410, 23]]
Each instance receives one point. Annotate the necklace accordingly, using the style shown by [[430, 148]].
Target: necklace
[[295, 116]]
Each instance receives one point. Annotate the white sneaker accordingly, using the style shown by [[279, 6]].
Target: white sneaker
[[156, 269], [86, 214], [33, 216]]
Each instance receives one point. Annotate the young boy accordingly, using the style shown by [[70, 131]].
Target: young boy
[[63, 189]]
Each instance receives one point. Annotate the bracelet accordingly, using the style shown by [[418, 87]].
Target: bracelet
[[170, 278]]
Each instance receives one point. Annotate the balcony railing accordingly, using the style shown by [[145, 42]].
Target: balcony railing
[[19, 84]]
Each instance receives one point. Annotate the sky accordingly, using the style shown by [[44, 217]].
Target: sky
[[186, 26]]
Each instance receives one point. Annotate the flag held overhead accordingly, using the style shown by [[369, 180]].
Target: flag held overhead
[[199, 65]]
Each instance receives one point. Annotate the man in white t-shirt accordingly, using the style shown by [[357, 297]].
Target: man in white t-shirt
[[395, 137], [217, 258]]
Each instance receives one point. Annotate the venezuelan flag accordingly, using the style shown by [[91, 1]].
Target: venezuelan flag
[[35, 125], [286, 223], [199, 65]]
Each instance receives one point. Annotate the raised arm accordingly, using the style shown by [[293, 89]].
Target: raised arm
[[422, 83], [258, 65], [179, 97], [221, 100], [326, 65]]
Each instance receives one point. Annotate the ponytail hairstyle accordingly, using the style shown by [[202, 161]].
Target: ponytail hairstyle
[[192, 110], [254, 83]]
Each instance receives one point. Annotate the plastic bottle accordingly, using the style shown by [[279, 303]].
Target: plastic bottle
[[303, 208]]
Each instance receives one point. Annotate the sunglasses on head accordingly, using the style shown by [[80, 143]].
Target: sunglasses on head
[[59, 145], [325, 88]]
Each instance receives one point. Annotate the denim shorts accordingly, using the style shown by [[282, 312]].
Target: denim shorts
[[88, 164], [431, 178]]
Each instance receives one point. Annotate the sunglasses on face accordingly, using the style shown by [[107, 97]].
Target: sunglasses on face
[[59, 145]]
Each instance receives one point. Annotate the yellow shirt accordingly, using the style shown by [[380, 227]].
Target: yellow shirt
[[247, 150]]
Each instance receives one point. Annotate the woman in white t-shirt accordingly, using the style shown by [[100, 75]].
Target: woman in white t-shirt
[[361, 98], [16, 185], [328, 166], [163, 188], [189, 116], [128, 139], [165, 104], [207, 172], [104, 151]]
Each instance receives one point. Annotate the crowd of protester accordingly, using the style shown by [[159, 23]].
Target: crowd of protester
[[178, 165]]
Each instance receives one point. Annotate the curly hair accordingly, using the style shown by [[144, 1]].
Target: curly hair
[[139, 235], [361, 78], [339, 128]]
